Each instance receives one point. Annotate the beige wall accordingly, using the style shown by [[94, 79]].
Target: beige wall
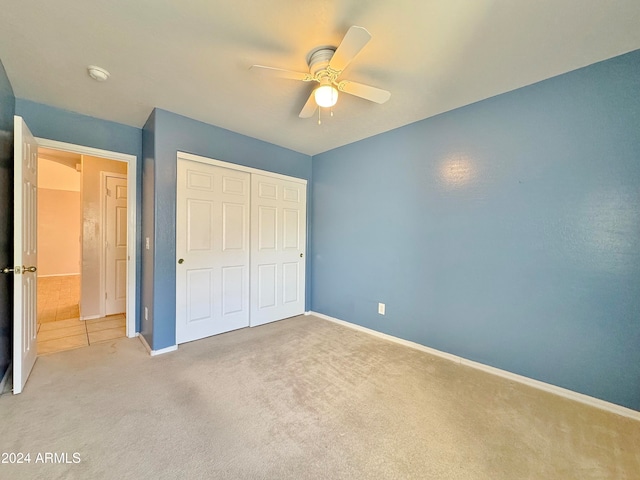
[[58, 232], [58, 219], [91, 232], [56, 176]]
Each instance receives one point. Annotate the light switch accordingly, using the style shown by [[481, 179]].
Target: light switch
[[381, 308]]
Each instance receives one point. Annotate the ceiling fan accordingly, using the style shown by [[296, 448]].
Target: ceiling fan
[[326, 64]]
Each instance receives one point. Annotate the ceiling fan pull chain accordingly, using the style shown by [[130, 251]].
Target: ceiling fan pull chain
[[319, 121]]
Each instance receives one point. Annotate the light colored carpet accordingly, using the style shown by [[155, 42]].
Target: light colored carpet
[[301, 399]]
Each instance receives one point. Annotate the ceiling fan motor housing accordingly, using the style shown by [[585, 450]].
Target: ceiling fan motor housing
[[319, 59]]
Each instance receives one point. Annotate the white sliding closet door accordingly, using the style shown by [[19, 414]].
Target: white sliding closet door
[[212, 250], [278, 241]]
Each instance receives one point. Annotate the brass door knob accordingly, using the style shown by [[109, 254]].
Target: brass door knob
[[28, 269], [181, 261]]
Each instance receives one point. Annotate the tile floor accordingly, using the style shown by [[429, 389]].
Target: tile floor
[[59, 325], [58, 298]]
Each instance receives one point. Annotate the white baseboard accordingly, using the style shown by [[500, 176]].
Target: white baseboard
[[5, 377], [91, 317], [153, 353], [547, 387], [144, 342]]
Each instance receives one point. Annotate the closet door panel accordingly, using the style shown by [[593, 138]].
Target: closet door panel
[[278, 241], [212, 250]]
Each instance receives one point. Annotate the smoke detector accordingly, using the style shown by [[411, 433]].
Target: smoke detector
[[97, 73]]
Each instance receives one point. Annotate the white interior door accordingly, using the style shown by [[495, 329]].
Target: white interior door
[[115, 244], [278, 241], [25, 202], [212, 248]]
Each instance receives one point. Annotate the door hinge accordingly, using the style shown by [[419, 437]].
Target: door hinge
[[108, 192]]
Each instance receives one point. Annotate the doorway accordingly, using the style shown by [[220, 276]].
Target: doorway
[[83, 227], [25, 167], [59, 247]]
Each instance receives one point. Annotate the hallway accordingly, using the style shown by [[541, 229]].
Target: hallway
[[59, 324]]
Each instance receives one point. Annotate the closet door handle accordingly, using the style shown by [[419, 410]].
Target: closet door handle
[[28, 269], [181, 261]]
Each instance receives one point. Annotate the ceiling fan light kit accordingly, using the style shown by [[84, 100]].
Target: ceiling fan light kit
[[326, 96], [326, 64]]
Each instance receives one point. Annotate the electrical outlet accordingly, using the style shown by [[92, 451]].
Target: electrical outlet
[[381, 308], [146, 313]]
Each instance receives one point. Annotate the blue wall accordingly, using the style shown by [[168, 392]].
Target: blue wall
[[7, 109], [167, 133], [64, 126], [148, 226], [506, 232]]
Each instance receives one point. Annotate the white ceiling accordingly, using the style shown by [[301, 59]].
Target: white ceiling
[[193, 57]]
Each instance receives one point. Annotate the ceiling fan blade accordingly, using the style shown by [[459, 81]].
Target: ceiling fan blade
[[354, 41], [309, 108], [280, 73], [364, 91]]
